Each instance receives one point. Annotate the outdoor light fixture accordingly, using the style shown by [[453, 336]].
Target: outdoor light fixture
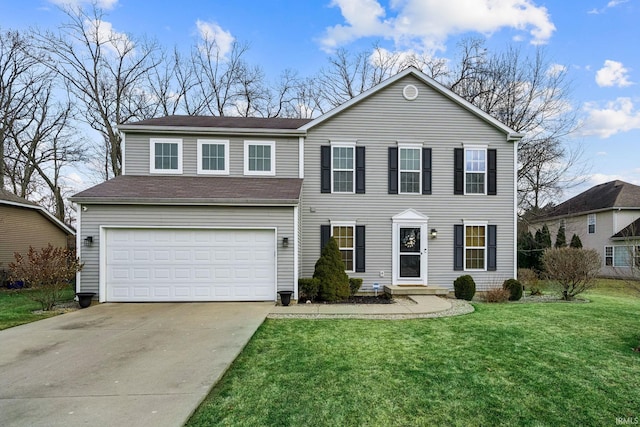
[[88, 241], [285, 242], [434, 233]]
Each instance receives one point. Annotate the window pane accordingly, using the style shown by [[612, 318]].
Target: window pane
[[475, 183], [347, 258], [475, 235], [622, 256], [343, 157], [409, 240], [409, 182], [409, 265], [166, 155], [410, 159], [342, 181], [475, 259], [260, 158], [475, 160]]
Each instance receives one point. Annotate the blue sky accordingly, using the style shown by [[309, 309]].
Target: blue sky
[[595, 39]]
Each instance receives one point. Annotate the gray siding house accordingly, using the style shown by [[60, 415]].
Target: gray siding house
[[606, 217], [417, 186]]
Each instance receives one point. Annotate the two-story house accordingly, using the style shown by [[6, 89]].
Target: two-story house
[[417, 185], [606, 217]]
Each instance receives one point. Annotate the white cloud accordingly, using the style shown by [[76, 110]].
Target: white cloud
[[77, 4], [601, 153], [617, 116], [428, 23], [212, 32], [556, 69], [612, 3], [103, 32], [613, 73]]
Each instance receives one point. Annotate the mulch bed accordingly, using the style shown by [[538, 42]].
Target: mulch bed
[[365, 299]]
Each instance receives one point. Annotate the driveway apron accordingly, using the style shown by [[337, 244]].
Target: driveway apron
[[121, 364]]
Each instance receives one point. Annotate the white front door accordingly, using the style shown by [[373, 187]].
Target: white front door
[[410, 237]]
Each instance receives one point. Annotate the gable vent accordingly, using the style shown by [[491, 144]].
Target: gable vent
[[410, 92]]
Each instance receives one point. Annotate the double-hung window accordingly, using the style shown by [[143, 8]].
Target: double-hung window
[[475, 247], [410, 167], [213, 157], [344, 233], [343, 168], [165, 155], [475, 176], [591, 223], [259, 158]]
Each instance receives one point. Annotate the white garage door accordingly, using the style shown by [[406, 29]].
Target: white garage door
[[190, 265]]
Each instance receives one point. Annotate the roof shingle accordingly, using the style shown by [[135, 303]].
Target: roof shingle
[[193, 189], [223, 122]]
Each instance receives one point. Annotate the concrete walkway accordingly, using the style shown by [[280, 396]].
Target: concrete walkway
[[121, 364], [414, 306]]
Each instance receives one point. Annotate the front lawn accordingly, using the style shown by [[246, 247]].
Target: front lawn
[[505, 364], [17, 308]]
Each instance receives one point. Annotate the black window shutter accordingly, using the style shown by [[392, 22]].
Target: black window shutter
[[458, 247], [360, 248], [325, 235], [458, 171], [426, 171], [325, 169], [393, 170], [492, 248], [360, 175], [492, 181]]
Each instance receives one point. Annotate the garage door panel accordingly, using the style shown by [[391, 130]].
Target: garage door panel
[[190, 265]]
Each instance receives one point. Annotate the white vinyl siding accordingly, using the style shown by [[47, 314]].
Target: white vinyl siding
[[259, 158], [343, 169], [475, 176], [166, 156], [410, 168], [213, 157]]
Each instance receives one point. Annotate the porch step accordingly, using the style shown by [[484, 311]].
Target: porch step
[[415, 290]]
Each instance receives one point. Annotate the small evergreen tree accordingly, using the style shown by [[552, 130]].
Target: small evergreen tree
[[545, 237], [576, 242], [526, 247], [561, 238], [329, 270]]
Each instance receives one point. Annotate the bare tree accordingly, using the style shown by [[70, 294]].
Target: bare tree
[[106, 73], [530, 95]]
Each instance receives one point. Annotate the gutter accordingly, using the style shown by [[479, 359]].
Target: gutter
[[184, 202], [210, 130]]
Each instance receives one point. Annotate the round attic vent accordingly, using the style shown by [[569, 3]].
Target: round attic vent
[[410, 92]]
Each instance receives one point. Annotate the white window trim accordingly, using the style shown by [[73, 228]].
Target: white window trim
[[613, 256], [271, 172], [595, 227], [351, 224], [400, 170], [225, 143], [351, 145], [486, 244], [486, 161], [152, 155]]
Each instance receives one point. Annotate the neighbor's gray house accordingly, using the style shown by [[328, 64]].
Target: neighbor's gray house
[[606, 217], [417, 185], [24, 224]]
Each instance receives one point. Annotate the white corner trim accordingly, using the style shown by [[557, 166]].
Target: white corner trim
[[300, 165], [79, 246], [296, 237], [124, 152]]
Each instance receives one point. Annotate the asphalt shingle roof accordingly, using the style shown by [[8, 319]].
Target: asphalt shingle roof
[[223, 122], [10, 197], [193, 189], [613, 194]]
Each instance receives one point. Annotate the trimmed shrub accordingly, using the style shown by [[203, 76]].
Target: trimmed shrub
[[497, 295], [355, 283], [329, 271], [576, 242], [561, 238], [514, 287], [464, 287], [308, 287]]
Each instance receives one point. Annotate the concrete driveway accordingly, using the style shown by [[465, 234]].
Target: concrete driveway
[[120, 364]]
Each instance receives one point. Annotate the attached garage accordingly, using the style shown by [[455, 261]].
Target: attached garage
[[183, 264]]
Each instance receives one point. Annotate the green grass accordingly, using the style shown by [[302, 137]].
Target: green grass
[[16, 308], [506, 364]]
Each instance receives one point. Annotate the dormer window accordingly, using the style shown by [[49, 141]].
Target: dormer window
[[213, 157], [259, 158], [165, 156]]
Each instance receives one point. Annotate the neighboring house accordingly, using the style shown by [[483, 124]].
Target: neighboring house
[[417, 185], [606, 218], [23, 224]]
